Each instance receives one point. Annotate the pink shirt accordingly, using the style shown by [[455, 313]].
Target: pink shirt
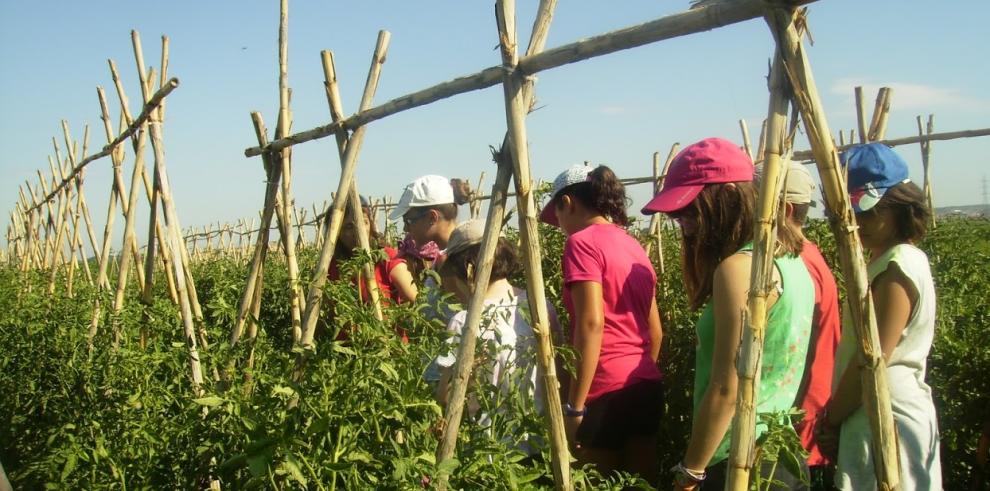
[[606, 254], [825, 334]]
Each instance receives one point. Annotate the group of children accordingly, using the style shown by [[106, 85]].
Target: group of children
[[614, 399]]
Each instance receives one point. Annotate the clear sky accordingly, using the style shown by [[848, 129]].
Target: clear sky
[[616, 109]]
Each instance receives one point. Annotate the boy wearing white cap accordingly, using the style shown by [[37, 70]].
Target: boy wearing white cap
[[816, 388]]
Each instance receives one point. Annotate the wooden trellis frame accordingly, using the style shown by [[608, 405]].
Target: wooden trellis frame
[[36, 241]]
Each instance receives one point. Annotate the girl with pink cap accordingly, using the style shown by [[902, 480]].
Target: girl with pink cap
[[709, 191], [615, 401]]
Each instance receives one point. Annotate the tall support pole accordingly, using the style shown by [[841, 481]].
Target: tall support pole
[[876, 395], [927, 161], [656, 221], [285, 160], [878, 128], [861, 115], [518, 100], [332, 232], [742, 449], [129, 244], [745, 136], [273, 173], [354, 199], [173, 228]]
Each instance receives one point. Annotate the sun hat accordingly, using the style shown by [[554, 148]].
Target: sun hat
[[465, 235], [798, 186], [573, 175], [873, 169], [710, 161], [423, 191]]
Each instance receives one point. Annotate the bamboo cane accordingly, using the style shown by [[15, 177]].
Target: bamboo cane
[[927, 161], [742, 450], [879, 125], [251, 291], [908, 140], [876, 397], [337, 114], [156, 99], [761, 150], [84, 208], [315, 293], [860, 115], [173, 229], [285, 160], [126, 254], [149, 264], [746, 145], [668, 27], [80, 207], [518, 102]]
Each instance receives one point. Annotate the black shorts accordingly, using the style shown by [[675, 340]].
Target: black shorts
[[614, 417]]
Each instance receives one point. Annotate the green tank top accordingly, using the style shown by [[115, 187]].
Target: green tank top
[[785, 345]]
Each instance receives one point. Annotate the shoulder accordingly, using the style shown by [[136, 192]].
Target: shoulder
[[732, 274]]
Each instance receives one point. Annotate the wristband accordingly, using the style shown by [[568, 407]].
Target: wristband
[[570, 412], [684, 476]]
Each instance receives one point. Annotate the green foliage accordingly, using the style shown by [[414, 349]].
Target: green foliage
[[76, 418]]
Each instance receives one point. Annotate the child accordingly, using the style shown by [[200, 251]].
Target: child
[[816, 389], [504, 325], [892, 218], [709, 191], [348, 243], [615, 400]]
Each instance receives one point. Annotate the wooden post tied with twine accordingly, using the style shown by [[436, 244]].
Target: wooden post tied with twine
[[748, 367], [876, 395]]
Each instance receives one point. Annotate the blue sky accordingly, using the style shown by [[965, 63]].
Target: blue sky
[[616, 109]]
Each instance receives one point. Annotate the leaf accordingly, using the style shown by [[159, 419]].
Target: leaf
[[209, 401], [70, 465], [389, 371], [292, 467], [448, 466], [359, 456], [283, 390]]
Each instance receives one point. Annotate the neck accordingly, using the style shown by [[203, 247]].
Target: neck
[[498, 288], [444, 229], [589, 219]]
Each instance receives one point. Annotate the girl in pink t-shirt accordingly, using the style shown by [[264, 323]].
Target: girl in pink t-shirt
[[615, 400]]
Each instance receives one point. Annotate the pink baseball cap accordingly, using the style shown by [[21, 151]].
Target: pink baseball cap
[[710, 161]]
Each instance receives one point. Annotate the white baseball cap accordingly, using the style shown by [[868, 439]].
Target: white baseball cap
[[423, 191], [798, 186], [573, 175]]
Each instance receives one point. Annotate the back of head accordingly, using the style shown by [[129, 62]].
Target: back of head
[[464, 247], [878, 180], [596, 188]]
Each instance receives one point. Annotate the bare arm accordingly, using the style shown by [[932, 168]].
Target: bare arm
[[719, 401], [656, 332], [893, 299], [589, 323], [403, 281]]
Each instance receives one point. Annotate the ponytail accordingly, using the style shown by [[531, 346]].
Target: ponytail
[[602, 193]]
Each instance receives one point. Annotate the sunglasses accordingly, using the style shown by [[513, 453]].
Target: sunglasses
[[408, 220]]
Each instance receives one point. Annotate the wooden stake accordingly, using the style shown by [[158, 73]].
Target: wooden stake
[[860, 115], [743, 432], [927, 161], [518, 102], [315, 293], [746, 146], [354, 199], [173, 229], [876, 396]]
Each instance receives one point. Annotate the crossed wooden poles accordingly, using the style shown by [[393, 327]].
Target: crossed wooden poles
[[791, 84], [45, 226]]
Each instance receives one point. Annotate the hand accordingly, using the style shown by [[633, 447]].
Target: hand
[[684, 487], [827, 437], [571, 424]]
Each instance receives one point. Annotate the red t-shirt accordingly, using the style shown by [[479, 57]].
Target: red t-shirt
[[382, 270], [606, 254], [825, 334]]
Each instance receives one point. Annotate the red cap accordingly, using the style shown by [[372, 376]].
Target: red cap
[[710, 161]]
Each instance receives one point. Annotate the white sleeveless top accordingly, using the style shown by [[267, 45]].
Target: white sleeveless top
[[911, 399]]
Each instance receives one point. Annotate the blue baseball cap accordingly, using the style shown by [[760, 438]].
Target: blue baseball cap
[[873, 169]]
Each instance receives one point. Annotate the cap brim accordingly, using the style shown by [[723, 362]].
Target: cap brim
[[863, 200], [548, 215], [397, 212], [672, 199]]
